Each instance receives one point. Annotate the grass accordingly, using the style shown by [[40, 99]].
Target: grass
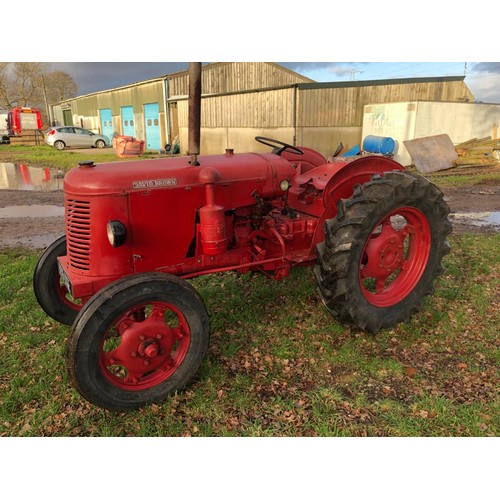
[[46, 156], [279, 364], [460, 180]]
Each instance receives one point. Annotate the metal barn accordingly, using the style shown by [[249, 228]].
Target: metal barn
[[243, 100], [148, 110]]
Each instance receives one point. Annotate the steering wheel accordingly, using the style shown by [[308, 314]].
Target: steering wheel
[[284, 146]]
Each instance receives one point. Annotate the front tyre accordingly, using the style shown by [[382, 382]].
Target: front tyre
[[137, 341], [100, 144], [383, 251], [50, 290]]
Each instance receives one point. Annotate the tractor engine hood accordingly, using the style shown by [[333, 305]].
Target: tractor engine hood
[[269, 170]]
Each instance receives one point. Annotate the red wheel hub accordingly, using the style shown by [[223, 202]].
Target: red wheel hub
[[145, 348], [395, 256]]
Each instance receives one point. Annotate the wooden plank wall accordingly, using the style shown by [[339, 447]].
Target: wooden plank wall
[[317, 107], [223, 78], [272, 108], [343, 106]]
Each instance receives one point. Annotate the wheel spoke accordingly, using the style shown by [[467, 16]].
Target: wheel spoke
[[178, 332], [405, 231], [380, 285], [130, 379], [117, 356], [124, 324]]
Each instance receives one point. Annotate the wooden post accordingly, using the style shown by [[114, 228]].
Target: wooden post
[[194, 111]]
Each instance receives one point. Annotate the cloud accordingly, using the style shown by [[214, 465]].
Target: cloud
[[299, 67], [485, 88], [486, 67], [337, 68], [94, 76]]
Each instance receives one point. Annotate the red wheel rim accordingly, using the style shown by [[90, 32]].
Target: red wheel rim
[[395, 256], [144, 346], [64, 295]]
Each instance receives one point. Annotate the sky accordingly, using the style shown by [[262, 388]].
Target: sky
[[482, 78], [368, 41]]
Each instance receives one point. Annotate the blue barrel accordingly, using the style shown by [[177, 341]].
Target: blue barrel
[[376, 144]]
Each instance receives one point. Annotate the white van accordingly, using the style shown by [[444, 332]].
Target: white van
[[4, 133]]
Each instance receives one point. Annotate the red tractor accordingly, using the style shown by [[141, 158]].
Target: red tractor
[[137, 231]]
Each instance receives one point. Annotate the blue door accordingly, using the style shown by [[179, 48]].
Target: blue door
[[128, 126], [106, 123], [152, 122]]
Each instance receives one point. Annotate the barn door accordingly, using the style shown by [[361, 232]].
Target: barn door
[[128, 125], [106, 123], [152, 125]]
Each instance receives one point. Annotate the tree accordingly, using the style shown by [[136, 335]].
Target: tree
[[22, 84], [6, 84], [60, 86], [28, 79]]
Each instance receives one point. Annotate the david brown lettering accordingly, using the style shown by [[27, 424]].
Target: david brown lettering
[[154, 183]]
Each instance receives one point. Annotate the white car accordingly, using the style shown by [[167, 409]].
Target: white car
[[74, 137]]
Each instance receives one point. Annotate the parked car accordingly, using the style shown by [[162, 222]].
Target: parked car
[[74, 137]]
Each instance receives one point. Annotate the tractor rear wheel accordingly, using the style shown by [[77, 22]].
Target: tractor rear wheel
[[137, 341], [383, 251]]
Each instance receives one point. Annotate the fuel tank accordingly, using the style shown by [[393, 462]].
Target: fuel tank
[[267, 170]]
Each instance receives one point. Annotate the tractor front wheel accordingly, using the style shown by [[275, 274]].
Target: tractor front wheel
[[50, 290], [383, 251], [137, 341]]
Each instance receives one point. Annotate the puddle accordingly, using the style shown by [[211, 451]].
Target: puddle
[[31, 211], [20, 177], [36, 241], [479, 219]]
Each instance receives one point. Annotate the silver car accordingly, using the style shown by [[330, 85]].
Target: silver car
[[74, 137]]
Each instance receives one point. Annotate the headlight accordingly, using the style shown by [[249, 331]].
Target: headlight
[[117, 233], [284, 185]]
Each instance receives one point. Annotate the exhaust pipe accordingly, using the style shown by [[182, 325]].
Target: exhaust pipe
[[194, 111]]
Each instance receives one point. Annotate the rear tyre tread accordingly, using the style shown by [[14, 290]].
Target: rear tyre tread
[[345, 236]]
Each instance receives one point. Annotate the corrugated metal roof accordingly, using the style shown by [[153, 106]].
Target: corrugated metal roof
[[114, 89], [171, 76], [372, 83], [211, 65]]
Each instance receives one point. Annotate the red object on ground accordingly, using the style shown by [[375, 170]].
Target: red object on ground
[[126, 145]]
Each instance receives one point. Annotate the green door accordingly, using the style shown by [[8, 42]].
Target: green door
[[67, 117]]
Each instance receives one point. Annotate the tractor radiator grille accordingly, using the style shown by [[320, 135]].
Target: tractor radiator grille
[[78, 233]]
